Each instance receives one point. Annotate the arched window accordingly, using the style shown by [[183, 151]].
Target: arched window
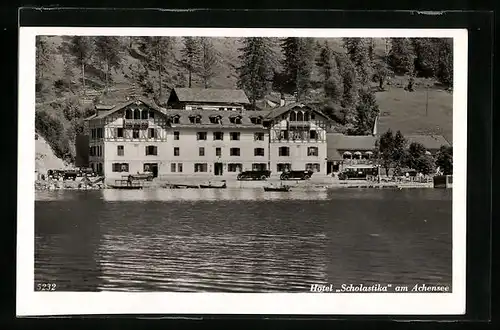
[[128, 114], [306, 116], [300, 116], [137, 114], [144, 114], [293, 116]]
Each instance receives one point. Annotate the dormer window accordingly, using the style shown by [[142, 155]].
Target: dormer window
[[235, 120], [215, 119], [175, 119], [195, 119], [256, 120]]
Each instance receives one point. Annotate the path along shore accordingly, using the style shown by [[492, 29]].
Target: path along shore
[[316, 182]]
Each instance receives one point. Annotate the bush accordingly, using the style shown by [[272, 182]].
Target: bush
[[53, 131]]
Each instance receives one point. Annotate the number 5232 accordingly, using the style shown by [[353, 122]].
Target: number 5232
[[46, 287]]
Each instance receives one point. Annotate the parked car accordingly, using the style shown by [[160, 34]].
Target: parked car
[[358, 172], [254, 175], [55, 174], [296, 175], [70, 175]]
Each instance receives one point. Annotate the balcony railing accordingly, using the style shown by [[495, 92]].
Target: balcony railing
[[135, 123]]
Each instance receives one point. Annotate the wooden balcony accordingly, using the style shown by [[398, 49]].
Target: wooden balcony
[[136, 123]]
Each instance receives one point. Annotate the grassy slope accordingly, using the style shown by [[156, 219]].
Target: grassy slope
[[400, 110]]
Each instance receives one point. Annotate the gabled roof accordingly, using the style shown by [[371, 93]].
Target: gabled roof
[[104, 113], [430, 142], [350, 142], [278, 111], [210, 95], [205, 115]]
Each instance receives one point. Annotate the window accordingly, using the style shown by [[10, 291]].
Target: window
[[151, 114], [256, 120], [176, 135], [284, 151], [281, 167], [201, 151], [172, 167], [284, 135], [120, 150], [128, 114], [258, 136], [313, 135], [235, 119], [306, 116], [221, 109], [218, 136], [179, 167], [313, 167], [229, 109], [119, 132], [200, 167], [300, 116], [259, 167], [144, 114], [135, 133], [258, 152], [234, 151], [176, 151], [152, 133], [312, 151], [195, 119], [234, 135], [293, 116], [313, 116], [175, 119], [232, 167], [119, 167], [201, 135], [215, 119], [151, 150], [218, 152]]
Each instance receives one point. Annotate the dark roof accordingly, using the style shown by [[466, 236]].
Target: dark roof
[[278, 111], [104, 113], [350, 142], [205, 115], [430, 142], [336, 142], [211, 95]]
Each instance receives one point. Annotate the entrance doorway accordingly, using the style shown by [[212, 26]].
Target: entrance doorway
[[218, 169], [151, 167], [333, 167]]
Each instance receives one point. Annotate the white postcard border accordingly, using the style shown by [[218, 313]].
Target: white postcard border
[[31, 303]]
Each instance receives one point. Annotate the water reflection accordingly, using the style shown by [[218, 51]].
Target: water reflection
[[208, 195], [241, 240]]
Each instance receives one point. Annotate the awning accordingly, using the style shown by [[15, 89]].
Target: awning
[[347, 153], [368, 153], [357, 153]]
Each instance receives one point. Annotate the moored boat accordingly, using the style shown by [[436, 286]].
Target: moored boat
[[281, 188], [214, 186]]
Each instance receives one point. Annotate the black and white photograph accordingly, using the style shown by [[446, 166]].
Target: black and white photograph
[[293, 170]]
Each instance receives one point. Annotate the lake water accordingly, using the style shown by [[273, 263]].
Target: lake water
[[241, 240]]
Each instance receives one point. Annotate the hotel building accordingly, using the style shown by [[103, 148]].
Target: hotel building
[[208, 133]]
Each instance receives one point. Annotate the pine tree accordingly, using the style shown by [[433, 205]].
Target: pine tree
[[190, 56], [158, 50], [445, 63], [82, 49], [384, 148], [366, 112], [358, 51], [256, 70], [332, 81], [297, 64], [426, 56], [208, 61], [399, 152], [401, 56], [44, 57], [108, 54]]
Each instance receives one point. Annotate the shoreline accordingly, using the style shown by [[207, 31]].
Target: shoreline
[[312, 184]]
